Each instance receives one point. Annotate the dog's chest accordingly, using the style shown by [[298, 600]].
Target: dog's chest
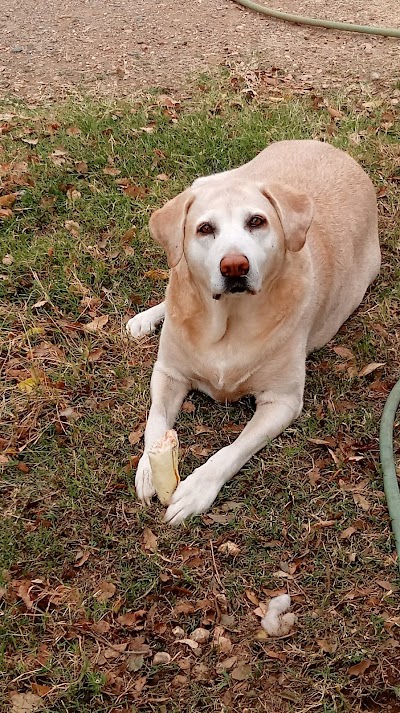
[[224, 372]]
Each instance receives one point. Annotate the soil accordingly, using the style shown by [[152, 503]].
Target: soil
[[50, 48]]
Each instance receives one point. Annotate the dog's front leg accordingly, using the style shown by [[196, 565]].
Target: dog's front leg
[[167, 395], [198, 491]]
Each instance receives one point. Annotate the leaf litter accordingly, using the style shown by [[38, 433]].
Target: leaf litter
[[184, 591]]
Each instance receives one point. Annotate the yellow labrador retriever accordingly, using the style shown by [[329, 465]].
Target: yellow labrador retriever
[[267, 261]]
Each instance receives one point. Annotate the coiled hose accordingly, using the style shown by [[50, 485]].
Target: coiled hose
[[301, 20], [390, 481]]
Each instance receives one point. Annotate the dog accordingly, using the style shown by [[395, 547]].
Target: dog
[[267, 262]]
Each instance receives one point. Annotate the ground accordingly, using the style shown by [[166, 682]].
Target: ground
[[104, 609], [48, 48]]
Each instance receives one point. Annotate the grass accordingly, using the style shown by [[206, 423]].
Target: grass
[[75, 559]]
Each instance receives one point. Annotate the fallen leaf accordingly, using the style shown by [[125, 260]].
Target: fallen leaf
[[128, 236], [370, 368], [73, 131], [360, 668], [27, 385], [229, 548], [23, 592], [41, 303], [72, 227], [135, 436], [135, 191], [242, 672], [133, 619], [334, 113], [226, 664], [7, 260], [189, 642], [344, 352], [95, 355], [81, 167], [101, 627], [6, 213], [149, 540], [70, 414], [183, 608], [323, 441], [104, 591], [157, 274], [200, 635], [111, 171], [388, 586], [280, 655], [134, 663], [348, 532], [223, 644], [25, 702], [41, 690], [73, 194], [329, 647], [97, 324], [165, 100], [161, 658], [219, 518], [113, 652], [162, 177], [8, 200], [81, 557], [188, 407], [314, 475], [252, 597], [362, 501]]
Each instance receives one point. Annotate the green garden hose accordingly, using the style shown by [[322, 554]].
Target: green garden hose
[[299, 19], [390, 482]]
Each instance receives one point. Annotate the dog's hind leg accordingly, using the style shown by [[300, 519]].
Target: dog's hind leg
[[146, 322]]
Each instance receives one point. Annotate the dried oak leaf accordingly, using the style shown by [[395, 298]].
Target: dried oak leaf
[[133, 619], [135, 436], [104, 591], [73, 227], [157, 274], [149, 540], [242, 672], [25, 702], [97, 324], [8, 200], [360, 668]]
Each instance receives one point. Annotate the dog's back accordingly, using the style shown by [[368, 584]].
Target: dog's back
[[342, 241]]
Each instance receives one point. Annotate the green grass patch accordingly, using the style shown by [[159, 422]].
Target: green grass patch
[[85, 599]]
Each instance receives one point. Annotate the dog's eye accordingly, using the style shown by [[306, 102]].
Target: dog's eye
[[205, 229], [256, 221]]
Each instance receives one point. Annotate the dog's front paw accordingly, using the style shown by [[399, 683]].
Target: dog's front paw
[[193, 495], [144, 480], [141, 325]]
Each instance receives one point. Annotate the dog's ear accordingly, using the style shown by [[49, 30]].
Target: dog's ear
[[295, 212], [167, 225]]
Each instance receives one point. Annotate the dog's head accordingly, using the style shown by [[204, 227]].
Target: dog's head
[[233, 235]]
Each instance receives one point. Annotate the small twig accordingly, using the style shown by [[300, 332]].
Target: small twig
[[217, 577]]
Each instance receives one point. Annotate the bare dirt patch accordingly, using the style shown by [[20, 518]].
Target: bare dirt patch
[[50, 48]]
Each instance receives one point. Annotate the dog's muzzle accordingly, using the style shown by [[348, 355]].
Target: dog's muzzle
[[234, 285]]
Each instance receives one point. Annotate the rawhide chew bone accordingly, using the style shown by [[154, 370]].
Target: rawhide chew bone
[[163, 456]]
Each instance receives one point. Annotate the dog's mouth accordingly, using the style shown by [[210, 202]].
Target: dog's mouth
[[234, 285]]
